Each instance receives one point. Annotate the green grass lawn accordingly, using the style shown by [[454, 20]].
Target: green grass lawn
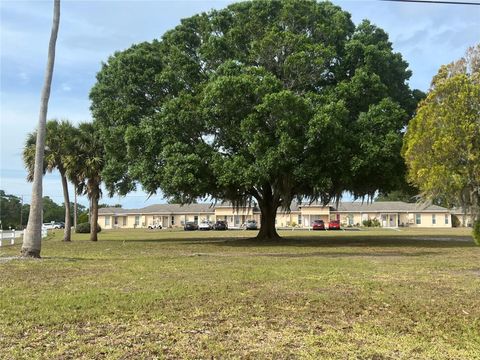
[[379, 294]]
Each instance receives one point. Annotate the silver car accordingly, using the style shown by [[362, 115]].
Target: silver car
[[251, 225]]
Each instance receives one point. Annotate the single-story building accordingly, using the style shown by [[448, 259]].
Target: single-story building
[[389, 214]]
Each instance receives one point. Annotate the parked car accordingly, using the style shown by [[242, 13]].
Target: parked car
[[54, 225], [318, 225], [334, 225], [190, 226], [155, 226], [251, 225], [205, 225], [220, 225]]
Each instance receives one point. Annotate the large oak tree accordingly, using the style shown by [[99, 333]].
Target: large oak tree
[[264, 100]]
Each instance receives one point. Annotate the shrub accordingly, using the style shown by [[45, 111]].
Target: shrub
[[84, 228], [476, 232], [371, 223]]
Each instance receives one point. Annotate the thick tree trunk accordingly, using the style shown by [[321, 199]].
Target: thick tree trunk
[[32, 241], [94, 216], [267, 222], [67, 234]]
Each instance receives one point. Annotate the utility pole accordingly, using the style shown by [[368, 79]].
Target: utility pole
[[21, 213], [75, 209]]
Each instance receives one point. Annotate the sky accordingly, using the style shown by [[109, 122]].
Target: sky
[[427, 36]]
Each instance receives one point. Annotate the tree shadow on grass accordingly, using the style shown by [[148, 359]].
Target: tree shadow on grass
[[384, 241], [329, 254], [360, 241]]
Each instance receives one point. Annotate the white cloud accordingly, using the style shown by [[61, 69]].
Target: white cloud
[[66, 87]]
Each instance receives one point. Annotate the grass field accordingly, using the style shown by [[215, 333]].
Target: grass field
[[384, 294]]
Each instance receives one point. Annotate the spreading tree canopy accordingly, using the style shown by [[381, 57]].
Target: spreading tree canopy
[[264, 100], [442, 143]]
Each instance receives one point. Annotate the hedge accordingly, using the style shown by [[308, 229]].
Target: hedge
[[84, 228]]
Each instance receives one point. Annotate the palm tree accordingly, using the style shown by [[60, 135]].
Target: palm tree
[[59, 141], [90, 161], [32, 241]]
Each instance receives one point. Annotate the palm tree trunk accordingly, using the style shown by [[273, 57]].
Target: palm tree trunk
[[75, 207], [94, 216], [66, 199], [32, 242]]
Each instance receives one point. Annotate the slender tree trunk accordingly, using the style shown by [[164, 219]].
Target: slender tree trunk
[[267, 221], [94, 216], [75, 208], [32, 242], [66, 198]]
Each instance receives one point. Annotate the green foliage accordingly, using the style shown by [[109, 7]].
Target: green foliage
[[11, 208], [59, 140], [270, 100], [83, 217], [84, 228], [11, 211], [371, 223], [476, 232], [406, 194], [109, 206], [442, 143]]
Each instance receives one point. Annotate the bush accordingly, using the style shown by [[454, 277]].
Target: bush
[[371, 223], [84, 228], [476, 232]]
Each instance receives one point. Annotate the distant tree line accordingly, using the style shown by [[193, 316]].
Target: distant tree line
[[14, 213]]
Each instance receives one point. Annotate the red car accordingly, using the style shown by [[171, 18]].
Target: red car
[[318, 225], [334, 225]]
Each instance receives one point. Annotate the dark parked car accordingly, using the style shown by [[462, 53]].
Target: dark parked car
[[334, 225], [251, 225], [318, 225], [220, 225], [190, 226]]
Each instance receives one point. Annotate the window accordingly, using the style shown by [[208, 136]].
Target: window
[[137, 220], [418, 219], [172, 221], [446, 219], [107, 220], [434, 219], [299, 219], [195, 219], [115, 220]]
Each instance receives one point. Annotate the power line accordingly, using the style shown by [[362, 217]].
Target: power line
[[437, 2]]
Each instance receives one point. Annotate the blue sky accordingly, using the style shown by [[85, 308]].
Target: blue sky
[[426, 35]]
